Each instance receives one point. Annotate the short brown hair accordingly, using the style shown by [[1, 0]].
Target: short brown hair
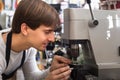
[[34, 13]]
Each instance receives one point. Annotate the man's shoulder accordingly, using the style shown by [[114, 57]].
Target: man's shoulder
[[5, 30]]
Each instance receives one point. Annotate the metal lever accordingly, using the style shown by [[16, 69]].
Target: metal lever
[[93, 22]]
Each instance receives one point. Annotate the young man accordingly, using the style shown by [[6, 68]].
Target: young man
[[32, 29]]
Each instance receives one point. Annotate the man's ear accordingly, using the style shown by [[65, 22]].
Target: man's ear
[[24, 28]]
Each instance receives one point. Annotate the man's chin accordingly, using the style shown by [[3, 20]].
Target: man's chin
[[43, 49]]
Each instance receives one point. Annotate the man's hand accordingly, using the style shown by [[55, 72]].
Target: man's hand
[[60, 69]]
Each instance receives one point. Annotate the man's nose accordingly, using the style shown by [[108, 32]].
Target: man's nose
[[51, 38]]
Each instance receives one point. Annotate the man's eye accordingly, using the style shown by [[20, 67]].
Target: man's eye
[[47, 32]]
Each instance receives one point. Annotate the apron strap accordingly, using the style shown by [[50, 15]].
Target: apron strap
[[8, 48]]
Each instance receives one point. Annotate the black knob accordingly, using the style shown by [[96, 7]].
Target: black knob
[[93, 23]]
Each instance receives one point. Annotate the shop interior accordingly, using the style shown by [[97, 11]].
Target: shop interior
[[89, 28]]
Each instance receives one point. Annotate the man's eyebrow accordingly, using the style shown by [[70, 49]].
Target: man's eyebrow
[[50, 30]]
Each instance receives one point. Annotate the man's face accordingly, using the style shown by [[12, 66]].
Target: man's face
[[40, 37]]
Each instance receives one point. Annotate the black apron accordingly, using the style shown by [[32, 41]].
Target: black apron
[[8, 49]]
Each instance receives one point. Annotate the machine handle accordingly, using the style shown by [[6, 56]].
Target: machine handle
[[93, 22], [88, 2]]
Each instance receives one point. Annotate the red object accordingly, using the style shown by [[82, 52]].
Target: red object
[[118, 4]]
